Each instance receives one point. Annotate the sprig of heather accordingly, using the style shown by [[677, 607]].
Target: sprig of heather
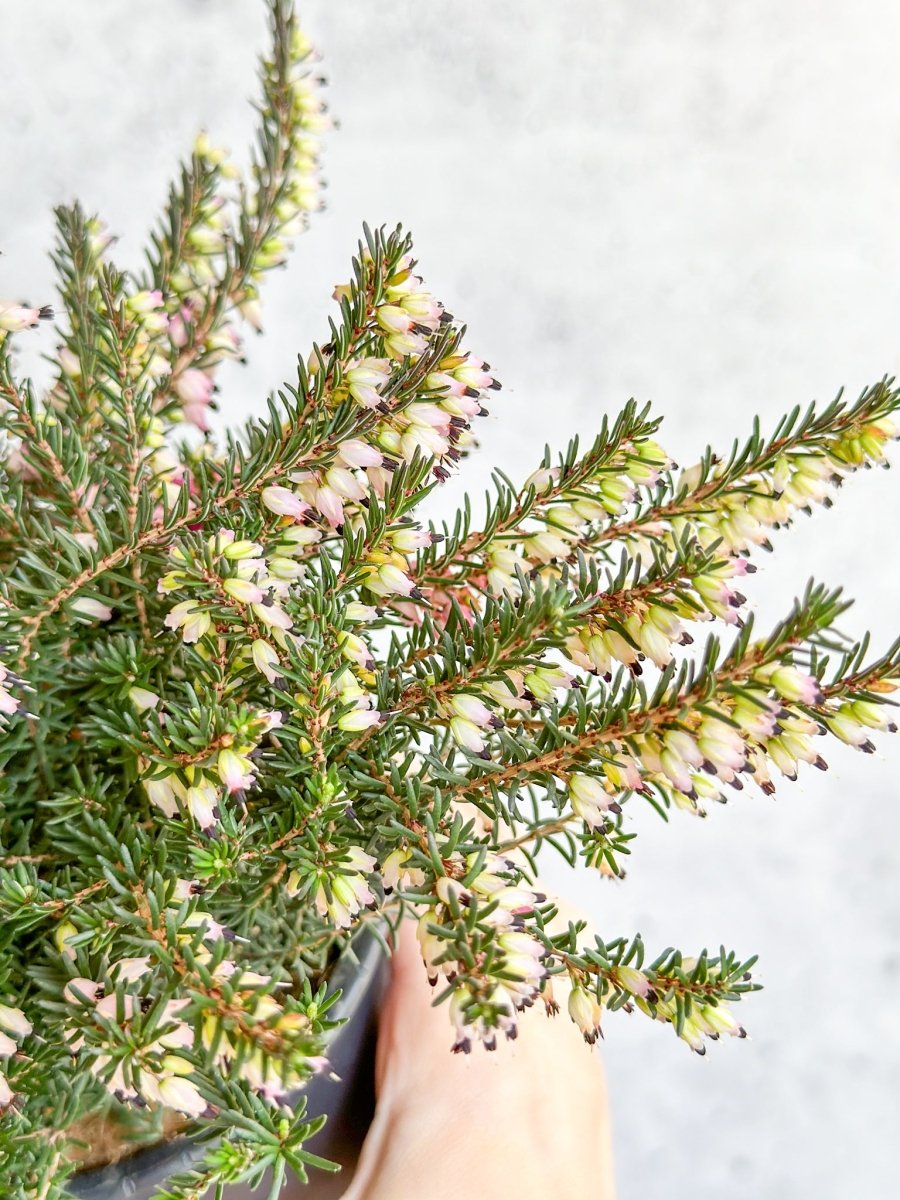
[[693, 995], [496, 663], [309, 431], [208, 260], [759, 708], [766, 482], [625, 491], [622, 454]]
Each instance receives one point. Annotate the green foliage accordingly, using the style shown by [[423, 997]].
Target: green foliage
[[248, 703]]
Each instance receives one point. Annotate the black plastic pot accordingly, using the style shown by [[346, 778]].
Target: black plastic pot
[[347, 1102]]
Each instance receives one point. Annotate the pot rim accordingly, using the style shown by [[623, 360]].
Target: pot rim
[[354, 974]]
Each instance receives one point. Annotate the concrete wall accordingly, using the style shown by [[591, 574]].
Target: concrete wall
[[694, 203]]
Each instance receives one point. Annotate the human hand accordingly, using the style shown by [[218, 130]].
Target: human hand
[[529, 1121]]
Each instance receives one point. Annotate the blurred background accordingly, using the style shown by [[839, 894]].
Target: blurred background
[[691, 203]]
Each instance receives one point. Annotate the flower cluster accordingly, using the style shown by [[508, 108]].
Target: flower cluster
[[136, 1044], [153, 1072], [492, 988], [559, 519], [256, 1036], [705, 1020], [772, 720], [628, 629], [190, 337], [235, 572], [197, 783], [422, 405], [660, 994], [339, 888], [791, 484]]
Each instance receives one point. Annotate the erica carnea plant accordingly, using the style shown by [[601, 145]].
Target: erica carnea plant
[[250, 702]]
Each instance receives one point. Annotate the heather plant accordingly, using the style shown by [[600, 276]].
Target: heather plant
[[249, 702]]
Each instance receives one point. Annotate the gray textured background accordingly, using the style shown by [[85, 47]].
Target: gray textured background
[[694, 203]]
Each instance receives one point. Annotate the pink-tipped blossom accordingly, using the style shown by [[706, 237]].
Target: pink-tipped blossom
[[356, 453], [129, 970], [283, 502], [181, 1095], [795, 685], [359, 719], [16, 317], [394, 319], [388, 579], [586, 1012], [272, 616], [544, 682], [346, 893], [236, 771], [14, 1022], [194, 387], [81, 991], [164, 793], [355, 650], [88, 606], [202, 802], [367, 379], [589, 799], [243, 590], [474, 373], [192, 620], [468, 735], [143, 699], [265, 659]]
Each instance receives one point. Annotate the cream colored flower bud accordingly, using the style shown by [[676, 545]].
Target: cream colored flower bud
[[14, 1021], [585, 1012]]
